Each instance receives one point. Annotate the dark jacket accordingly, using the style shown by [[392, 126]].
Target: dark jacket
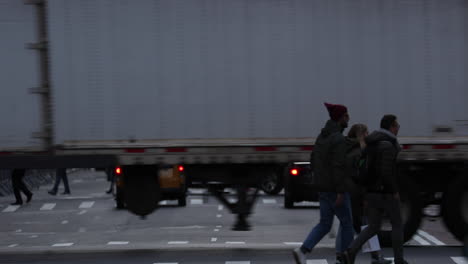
[[329, 159], [384, 148], [353, 155]]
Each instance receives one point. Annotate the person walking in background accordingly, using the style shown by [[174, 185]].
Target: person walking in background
[[19, 186], [111, 178], [330, 178], [382, 191], [355, 148], [60, 174]]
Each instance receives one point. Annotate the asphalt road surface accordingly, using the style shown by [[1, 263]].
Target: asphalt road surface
[[85, 227]]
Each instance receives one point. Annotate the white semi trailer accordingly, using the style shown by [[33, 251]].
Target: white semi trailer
[[234, 90]]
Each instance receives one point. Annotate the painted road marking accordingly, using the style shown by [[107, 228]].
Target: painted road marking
[[11, 208], [48, 206], [293, 243], [269, 201], [459, 260], [86, 205], [63, 245], [177, 242], [430, 238], [196, 201], [420, 240], [235, 242], [317, 261], [117, 243], [237, 262], [214, 239]]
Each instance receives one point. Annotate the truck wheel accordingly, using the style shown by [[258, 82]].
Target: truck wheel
[[119, 198], [411, 214], [271, 182], [455, 208]]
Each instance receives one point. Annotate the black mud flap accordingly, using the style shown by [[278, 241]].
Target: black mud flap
[[142, 191]]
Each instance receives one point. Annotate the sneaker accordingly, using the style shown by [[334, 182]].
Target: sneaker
[[299, 256], [52, 192]]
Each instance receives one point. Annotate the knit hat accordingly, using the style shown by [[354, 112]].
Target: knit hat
[[336, 111]]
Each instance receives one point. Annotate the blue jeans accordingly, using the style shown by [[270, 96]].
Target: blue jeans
[[327, 213]]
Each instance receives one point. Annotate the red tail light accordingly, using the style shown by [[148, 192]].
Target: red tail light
[[181, 168], [118, 170], [294, 172]]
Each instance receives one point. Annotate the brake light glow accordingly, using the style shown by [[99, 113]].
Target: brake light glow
[[118, 170], [294, 172], [181, 168]]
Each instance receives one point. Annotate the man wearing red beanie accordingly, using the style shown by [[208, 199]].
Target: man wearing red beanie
[[331, 179]]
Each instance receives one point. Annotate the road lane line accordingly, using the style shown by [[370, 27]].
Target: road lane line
[[11, 208], [431, 238], [317, 261], [86, 205], [166, 263], [64, 222], [459, 260], [214, 239], [219, 216], [177, 242], [235, 242], [82, 212], [420, 240], [220, 207], [237, 262], [117, 243], [48, 206], [216, 230], [63, 245], [13, 245]]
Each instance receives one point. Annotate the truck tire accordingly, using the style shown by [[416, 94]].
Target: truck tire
[[411, 213], [455, 208], [119, 198], [271, 182]]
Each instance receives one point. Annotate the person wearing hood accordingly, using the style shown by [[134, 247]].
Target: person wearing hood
[[330, 178], [382, 192]]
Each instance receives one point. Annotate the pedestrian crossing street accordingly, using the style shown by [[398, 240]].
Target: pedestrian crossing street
[[450, 260]]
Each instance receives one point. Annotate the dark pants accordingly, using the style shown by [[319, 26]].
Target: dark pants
[[378, 204], [18, 185], [61, 174]]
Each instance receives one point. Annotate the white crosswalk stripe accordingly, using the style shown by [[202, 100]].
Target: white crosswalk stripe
[[196, 201], [317, 261], [11, 208], [86, 205], [48, 206], [420, 240], [431, 238], [237, 262], [269, 201]]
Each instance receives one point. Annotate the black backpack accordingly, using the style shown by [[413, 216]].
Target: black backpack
[[366, 173]]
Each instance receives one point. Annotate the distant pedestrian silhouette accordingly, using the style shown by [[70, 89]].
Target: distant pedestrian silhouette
[[19, 186], [60, 174]]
